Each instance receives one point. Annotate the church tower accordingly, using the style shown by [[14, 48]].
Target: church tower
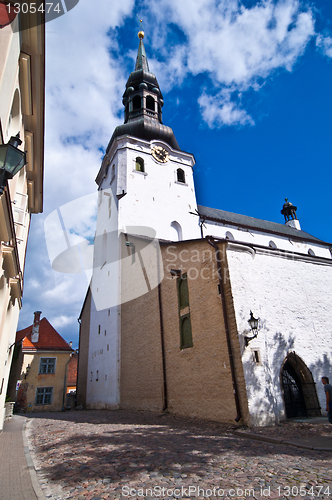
[[146, 193], [148, 173]]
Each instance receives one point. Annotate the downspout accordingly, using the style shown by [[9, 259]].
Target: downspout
[[162, 348], [78, 359], [238, 417], [162, 337], [65, 385]]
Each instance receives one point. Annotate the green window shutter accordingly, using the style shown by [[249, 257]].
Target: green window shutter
[[184, 314], [185, 330], [183, 291]]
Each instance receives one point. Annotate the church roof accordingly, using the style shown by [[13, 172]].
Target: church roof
[[221, 216]]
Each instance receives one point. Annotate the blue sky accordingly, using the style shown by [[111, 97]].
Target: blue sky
[[247, 90]]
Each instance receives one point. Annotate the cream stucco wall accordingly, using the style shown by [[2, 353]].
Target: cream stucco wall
[[35, 380], [25, 191]]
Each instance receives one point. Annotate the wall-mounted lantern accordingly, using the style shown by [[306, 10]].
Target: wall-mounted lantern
[[27, 371], [12, 160], [253, 322]]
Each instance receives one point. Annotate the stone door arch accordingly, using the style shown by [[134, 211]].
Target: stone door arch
[[299, 389]]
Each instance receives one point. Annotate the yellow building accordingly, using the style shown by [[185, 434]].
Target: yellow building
[[22, 84], [38, 378]]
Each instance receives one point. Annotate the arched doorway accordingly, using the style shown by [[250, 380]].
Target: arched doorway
[[299, 390]]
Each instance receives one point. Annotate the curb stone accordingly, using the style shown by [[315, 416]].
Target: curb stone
[[257, 437], [32, 470]]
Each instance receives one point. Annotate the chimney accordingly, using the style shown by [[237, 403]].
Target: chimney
[[35, 327], [70, 344]]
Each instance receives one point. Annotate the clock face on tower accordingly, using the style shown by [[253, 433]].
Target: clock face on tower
[[160, 154]]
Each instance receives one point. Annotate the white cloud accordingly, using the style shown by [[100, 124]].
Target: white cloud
[[62, 321], [324, 43], [232, 45], [221, 110]]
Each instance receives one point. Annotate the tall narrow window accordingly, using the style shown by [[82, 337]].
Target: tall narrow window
[[139, 165], [137, 102], [176, 231], [180, 175], [113, 173], [150, 103], [184, 312]]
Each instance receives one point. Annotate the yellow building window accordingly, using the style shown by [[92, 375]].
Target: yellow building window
[[44, 395], [47, 365]]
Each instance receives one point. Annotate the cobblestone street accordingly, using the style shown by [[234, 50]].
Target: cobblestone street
[[94, 455]]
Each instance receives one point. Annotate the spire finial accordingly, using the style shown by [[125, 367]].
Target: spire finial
[[141, 32], [141, 61]]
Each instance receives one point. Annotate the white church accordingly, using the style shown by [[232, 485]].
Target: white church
[[194, 310]]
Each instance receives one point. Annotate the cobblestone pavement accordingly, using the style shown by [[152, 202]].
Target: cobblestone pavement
[[95, 455]]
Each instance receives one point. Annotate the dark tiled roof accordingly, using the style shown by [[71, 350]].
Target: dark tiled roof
[[265, 226], [49, 339]]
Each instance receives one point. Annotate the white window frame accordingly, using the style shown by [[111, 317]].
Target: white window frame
[[47, 364], [44, 391]]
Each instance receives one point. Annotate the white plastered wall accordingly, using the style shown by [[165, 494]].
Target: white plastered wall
[[292, 297], [256, 237], [105, 320], [154, 198]]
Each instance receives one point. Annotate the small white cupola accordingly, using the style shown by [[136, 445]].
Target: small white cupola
[[35, 327], [289, 212]]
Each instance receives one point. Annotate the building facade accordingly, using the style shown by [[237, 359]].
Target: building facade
[[22, 83], [40, 368], [166, 325]]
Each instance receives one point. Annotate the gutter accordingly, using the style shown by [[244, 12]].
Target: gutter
[[238, 417]]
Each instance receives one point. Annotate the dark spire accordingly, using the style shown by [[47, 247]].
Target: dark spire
[[143, 101], [141, 61]]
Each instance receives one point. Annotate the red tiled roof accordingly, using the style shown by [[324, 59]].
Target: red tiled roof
[[49, 339], [72, 371]]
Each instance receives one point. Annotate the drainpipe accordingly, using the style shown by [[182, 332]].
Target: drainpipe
[[238, 417], [162, 348], [162, 337], [65, 385]]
